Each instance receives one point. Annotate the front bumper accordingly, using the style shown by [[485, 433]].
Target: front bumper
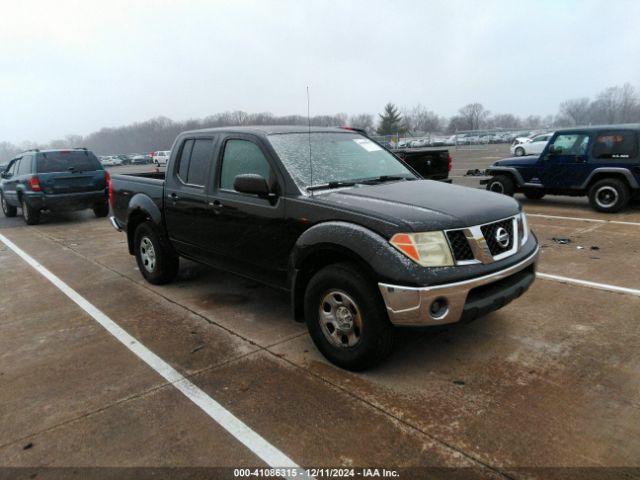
[[466, 300]]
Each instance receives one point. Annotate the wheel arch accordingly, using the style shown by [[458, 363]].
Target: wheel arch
[[618, 173], [508, 171], [332, 242]]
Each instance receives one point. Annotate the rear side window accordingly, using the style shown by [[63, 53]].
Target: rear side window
[[67, 160], [25, 165], [195, 157], [240, 157], [615, 145], [183, 163]]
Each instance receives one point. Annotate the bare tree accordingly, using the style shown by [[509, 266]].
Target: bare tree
[[506, 120], [420, 119], [363, 121], [577, 111], [473, 116], [616, 105]]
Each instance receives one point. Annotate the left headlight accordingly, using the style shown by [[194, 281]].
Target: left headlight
[[429, 249], [523, 228]]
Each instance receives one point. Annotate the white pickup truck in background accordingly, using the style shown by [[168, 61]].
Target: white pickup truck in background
[[160, 157]]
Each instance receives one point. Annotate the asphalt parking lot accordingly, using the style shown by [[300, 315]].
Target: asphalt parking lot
[[551, 380]]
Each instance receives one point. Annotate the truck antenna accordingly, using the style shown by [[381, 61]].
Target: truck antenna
[[309, 126]]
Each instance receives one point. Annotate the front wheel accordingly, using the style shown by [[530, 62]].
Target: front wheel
[[519, 152], [501, 184], [30, 214], [8, 210], [346, 317], [157, 263], [609, 195]]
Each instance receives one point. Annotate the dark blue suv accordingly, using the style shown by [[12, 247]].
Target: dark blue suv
[[54, 180], [602, 162]]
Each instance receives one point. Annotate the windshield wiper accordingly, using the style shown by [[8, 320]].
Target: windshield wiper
[[337, 184], [386, 178]]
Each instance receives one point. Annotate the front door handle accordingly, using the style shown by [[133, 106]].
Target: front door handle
[[174, 196]]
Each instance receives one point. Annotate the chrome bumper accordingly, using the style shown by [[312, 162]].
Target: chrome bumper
[[115, 224], [411, 306]]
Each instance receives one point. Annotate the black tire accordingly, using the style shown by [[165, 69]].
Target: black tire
[[157, 263], [8, 210], [30, 214], [502, 184], [609, 195], [370, 330], [519, 151], [101, 209], [534, 195]]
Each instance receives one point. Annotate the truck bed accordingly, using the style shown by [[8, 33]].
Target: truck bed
[[126, 186]]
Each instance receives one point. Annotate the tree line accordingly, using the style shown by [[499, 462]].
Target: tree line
[[618, 104]]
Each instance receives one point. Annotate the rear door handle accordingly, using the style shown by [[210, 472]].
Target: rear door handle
[[174, 196]]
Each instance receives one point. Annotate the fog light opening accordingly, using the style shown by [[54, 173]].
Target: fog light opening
[[439, 308]]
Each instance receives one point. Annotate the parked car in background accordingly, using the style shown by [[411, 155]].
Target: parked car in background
[[530, 145], [140, 159], [601, 162], [110, 161], [359, 241], [54, 180], [161, 157]]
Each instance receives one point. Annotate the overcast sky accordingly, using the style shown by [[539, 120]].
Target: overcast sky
[[73, 67]]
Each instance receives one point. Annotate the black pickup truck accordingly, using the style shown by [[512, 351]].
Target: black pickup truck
[[360, 241]]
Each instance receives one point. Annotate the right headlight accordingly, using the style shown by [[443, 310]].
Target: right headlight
[[429, 249], [523, 228]]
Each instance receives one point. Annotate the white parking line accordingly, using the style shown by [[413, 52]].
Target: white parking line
[[232, 424], [580, 219], [586, 283]]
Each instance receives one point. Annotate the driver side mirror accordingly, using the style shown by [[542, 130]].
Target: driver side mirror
[[252, 183], [5, 175]]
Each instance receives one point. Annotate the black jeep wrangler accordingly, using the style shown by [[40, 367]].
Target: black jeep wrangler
[[601, 162]]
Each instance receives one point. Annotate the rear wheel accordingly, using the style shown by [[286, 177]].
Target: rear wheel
[[534, 195], [8, 210], [609, 195], [519, 152], [346, 317], [30, 214], [157, 263], [101, 209], [502, 184]]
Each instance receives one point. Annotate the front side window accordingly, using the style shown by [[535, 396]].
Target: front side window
[[12, 169], [571, 144], [242, 157], [319, 158], [615, 145]]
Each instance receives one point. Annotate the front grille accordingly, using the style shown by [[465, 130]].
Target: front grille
[[489, 231], [460, 245]]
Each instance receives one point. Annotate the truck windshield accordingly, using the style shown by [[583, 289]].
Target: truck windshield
[[64, 160], [335, 157]]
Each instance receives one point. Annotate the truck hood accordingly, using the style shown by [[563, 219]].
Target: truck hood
[[517, 161], [424, 205]]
